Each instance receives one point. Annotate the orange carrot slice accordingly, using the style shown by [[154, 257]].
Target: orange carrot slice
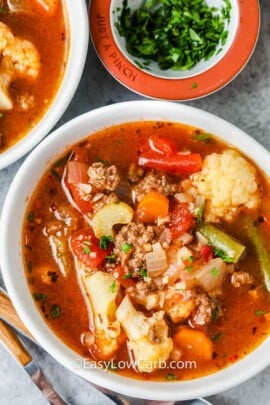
[[194, 343], [152, 206]]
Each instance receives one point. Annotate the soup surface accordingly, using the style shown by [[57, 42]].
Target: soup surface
[[34, 40], [147, 244]]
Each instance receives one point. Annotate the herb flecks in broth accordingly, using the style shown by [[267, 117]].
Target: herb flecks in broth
[[150, 241]]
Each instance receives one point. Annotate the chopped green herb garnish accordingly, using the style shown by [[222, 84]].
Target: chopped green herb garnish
[[100, 160], [194, 85], [111, 258], [3, 10], [215, 314], [171, 376], [62, 161], [190, 259], [143, 273], [214, 272], [55, 174], [127, 276], [53, 276], [260, 312], [126, 247], [200, 213], [105, 241], [223, 256], [55, 311], [40, 297], [216, 337], [204, 137], [189, 269], [86, 249], [175, 34], [31, 216], [113, 287], [29, 267]]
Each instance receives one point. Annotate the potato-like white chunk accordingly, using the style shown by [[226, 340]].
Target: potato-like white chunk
[[147, 337], [101, 290]]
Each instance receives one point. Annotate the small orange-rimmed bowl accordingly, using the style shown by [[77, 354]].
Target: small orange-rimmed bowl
[[203, 79]]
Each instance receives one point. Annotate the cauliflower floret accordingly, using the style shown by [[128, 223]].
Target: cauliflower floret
[[24, 57], [229, 183], [147, 337], [18, 57], [6, 36]]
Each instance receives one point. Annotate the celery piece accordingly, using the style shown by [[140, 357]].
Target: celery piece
[[222, 241], [256, 239]]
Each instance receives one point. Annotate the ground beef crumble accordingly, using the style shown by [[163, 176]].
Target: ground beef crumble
[[139, 236], [154, 182], [103, 177]]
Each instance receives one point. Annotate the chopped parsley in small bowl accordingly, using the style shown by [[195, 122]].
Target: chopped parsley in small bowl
[[174, 38]]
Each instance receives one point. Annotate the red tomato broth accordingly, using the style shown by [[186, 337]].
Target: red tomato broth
[[227, 332], [50, 35]]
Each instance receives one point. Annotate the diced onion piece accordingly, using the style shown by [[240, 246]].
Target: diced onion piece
[[165, 236], [156, 247], [156, 262], [211, 275], [183, 239], [201, 239], [77, 172], [181, 197], [48, 5], [184, 253]]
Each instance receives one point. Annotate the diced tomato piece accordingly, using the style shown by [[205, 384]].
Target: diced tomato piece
[[207, 253], [183, 164], [85, 246], [165, 146], [83, 205], [181, 219], [80, 154], [122, 278]]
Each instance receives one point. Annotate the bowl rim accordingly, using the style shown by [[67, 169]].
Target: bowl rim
[[76, 58], [11, 256], [183, 89]]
